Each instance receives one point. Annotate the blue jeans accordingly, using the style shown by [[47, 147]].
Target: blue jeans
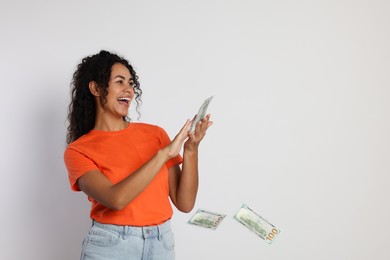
[[105, 241]]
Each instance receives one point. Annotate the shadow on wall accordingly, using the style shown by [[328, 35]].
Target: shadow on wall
[[60, 216]]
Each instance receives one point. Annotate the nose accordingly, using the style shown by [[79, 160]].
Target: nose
[[129, 89]]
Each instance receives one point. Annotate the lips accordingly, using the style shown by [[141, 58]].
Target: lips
[[125, 100]]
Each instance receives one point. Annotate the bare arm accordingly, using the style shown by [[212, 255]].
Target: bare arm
[[117, 196], [183, 184]]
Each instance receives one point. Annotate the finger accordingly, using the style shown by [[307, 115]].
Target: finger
[[205, 123], [186, 126], [208, 122], [208, 117], [183, 131], [201, 129]]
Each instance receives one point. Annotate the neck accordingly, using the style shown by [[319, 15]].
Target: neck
[[106, 124]]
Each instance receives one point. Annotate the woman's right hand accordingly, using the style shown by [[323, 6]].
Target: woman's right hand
[[173, 149]]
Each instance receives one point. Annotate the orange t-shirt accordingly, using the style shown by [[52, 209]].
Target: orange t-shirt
[[117, 154]]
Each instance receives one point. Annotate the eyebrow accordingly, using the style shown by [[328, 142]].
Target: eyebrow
[[122, 77]]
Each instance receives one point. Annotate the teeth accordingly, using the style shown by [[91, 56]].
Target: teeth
[[124, 99]]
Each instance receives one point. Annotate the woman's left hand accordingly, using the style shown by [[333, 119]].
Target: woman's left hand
[[196, 137]]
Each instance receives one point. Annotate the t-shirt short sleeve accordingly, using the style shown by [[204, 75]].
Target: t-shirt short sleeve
[[77, 164], [165, 140]]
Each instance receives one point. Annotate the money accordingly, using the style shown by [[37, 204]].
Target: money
[[206, 219], [257, 224], [201, 113]]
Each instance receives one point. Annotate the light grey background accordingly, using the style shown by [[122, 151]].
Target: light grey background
[[301, 116]]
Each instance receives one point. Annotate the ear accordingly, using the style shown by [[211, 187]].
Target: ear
[[93, 87]]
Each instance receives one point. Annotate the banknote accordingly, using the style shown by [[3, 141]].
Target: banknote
[[257, 224], [201, 113], [206, 219]]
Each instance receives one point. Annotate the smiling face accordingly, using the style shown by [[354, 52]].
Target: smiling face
[[120, 93], [120, 88]]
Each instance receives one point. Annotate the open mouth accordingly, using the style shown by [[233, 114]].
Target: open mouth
[[124, 100]]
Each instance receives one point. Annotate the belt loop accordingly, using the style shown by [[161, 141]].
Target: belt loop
[[124, 232], [159, 233], [143, 232]]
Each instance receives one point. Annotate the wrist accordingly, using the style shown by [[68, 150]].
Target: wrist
[[191, 149], [164, 154]]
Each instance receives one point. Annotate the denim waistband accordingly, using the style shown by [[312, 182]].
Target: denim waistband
[[144, 232]]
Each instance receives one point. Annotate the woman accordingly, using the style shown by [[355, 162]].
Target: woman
[[130, 171]]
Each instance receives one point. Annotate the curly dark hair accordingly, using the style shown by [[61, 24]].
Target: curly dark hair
[[82, 107]]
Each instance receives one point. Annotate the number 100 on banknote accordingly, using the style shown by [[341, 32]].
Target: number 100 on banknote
[[257, 224]]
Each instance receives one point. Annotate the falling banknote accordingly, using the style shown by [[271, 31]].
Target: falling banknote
[[206, 219], [201, 113], [257, 224]]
